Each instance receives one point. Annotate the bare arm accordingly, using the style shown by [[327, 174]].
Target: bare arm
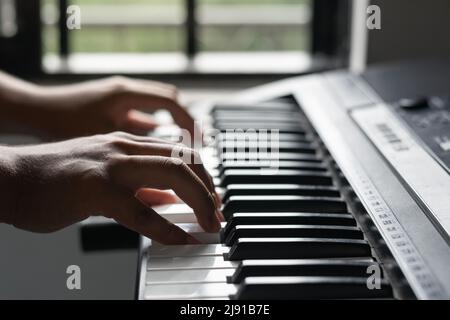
[[92, 107], [44, 188]]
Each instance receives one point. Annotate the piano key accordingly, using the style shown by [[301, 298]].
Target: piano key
[[188, 276], [310, 288], [176, 213], [299, 165], [261, 126], [291, 231], [266, 218], [283, 204], [243, 116], [246, 124], [260, 113], [249, 136], [157, 250], [260, 107], [269, 156], [267, 146], [279, 189], [194, 262], [296, 248], [301, 267], [198, 233], [248, 176], [189, 291], [240, 117]]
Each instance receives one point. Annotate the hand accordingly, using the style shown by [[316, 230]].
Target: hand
[[51, 186], [95, 107]]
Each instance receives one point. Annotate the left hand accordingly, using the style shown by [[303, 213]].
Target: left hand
[[102, 106]]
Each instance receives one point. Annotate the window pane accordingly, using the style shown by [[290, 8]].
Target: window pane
[[254, 25], [49, 17], [126, 26]]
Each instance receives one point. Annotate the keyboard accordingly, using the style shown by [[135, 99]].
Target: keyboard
[[314, 205]]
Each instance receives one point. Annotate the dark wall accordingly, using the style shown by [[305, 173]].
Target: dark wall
[[20, 54], [411, 29]]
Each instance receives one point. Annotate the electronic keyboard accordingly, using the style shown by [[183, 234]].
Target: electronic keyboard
[[334, 186]]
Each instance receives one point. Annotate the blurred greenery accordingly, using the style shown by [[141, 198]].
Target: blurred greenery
[[159, 39]]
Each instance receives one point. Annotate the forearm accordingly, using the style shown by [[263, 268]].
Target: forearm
[[8, 185], [21, 104]]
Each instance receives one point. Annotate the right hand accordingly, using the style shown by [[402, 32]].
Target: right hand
[[55, 185]]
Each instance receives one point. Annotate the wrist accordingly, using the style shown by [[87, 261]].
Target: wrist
[[9, 191]]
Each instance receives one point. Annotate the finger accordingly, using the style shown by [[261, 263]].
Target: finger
[[189, 156], [158, 172], [149, 223], [151, 84], [139, 138], [148, 101], [140, 121], [153, 197]]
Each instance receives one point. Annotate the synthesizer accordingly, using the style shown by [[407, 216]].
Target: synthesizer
[[334, 186]]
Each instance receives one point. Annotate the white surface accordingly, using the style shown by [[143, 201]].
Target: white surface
[[189, 291], [211, 262], [188, 276]]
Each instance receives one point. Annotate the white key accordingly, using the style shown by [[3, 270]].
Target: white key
[[176, 213], [188, 276], [209, 157], [220, 191], [188, 250], [197, 232], [214, 172], [174, 263], [189, 291]]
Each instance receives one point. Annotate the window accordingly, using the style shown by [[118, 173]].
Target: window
[[196, 35], [181, 36]]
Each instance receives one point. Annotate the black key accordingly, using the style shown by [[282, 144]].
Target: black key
[[310, 288], [259, 126], [261, 107], [261, 113], [268, 147], [239, 117], [283, 204], [297, 248], [249, 136], [273, 157], [246, 146], [302, 267], [292, 231], [279, 189], [266, 218], [248, 176]]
